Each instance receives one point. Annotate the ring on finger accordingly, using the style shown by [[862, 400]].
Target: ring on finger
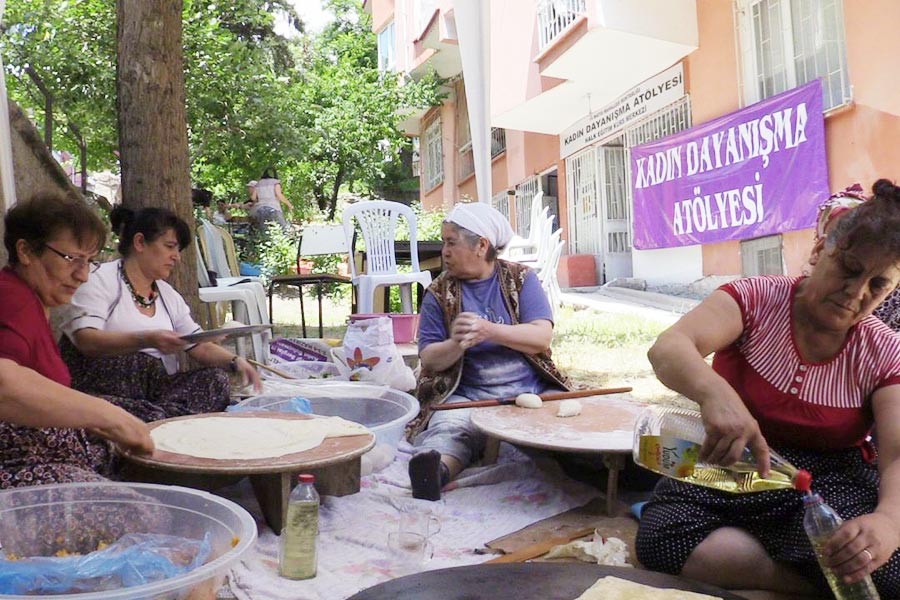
[[868, 553]]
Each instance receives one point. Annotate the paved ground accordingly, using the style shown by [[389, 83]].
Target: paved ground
[[651, 305]]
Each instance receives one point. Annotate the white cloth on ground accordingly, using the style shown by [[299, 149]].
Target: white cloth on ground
[[485, 503]]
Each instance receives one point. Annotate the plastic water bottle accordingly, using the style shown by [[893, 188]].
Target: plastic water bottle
[[297, 559], [667, 440], [820, 522]]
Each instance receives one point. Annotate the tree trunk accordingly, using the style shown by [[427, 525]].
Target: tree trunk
[[153, 143]]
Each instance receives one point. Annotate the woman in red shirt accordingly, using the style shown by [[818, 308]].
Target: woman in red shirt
[[801, 365], [46, 427]]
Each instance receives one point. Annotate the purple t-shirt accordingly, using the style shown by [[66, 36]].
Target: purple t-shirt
[[490, 370]]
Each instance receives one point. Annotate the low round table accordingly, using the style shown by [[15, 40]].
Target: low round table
[[335, 463], [522, 581], [605, 426]]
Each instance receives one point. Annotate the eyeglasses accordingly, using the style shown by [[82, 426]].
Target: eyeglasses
[[77, 262]]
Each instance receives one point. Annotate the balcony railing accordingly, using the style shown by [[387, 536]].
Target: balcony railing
[[554, 16]]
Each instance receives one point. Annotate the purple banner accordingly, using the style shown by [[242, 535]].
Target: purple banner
[[758, 171]]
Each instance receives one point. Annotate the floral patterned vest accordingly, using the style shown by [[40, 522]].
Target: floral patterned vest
[[432, 388]]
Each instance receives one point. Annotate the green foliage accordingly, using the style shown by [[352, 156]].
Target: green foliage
[[277, 252], [428, 222], [314, 107]]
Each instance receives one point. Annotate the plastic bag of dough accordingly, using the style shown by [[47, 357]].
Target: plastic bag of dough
[[604, 551]]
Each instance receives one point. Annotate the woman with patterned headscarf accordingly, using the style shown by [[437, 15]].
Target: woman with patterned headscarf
[[830, 212]]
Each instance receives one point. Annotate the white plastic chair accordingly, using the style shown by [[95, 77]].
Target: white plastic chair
[[247, 306], [529, 245], [548, 277], [378, 223], [218, 252]]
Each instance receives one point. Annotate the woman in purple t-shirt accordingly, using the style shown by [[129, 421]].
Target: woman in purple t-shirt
[[484, 332]]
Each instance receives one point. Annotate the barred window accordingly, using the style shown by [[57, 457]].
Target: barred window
[[433, 154], [786, 43]]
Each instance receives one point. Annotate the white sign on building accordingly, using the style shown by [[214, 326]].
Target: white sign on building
[[644, 99]]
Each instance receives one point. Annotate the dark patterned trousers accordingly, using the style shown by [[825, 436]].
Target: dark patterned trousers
[[140, 384]]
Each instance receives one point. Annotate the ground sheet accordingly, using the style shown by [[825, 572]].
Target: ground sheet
[[486, 503]]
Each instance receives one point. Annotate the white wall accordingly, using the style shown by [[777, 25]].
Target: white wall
[[668, 265]]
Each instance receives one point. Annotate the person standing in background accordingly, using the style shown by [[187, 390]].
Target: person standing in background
[[268, 200]]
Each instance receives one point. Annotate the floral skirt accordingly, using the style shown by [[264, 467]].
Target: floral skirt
[[140, 384], [39, 456]]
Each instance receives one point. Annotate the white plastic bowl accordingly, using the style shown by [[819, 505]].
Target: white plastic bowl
[[384, 410], [81, 514]]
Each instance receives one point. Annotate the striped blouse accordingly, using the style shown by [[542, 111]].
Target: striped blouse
[[797, 402]]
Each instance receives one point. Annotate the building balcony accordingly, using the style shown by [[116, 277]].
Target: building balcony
[[437, 47], [589, 52]]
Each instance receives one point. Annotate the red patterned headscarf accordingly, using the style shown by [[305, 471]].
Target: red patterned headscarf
[[838, 204]]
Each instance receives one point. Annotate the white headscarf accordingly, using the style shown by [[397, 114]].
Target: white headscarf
[[483, 220]]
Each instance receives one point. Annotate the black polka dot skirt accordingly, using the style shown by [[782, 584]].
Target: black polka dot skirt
[[679, 516]]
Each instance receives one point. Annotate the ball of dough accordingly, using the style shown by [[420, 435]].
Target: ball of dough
[[529, 401], [569, 408]]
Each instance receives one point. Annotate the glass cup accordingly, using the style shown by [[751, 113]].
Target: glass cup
[[409, 551], [418, 520]]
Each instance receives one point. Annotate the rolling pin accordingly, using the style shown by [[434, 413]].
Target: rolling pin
[[544, 397]]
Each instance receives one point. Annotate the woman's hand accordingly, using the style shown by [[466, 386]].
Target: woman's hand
[[164, 340], [861, 545], [469, 329], [126, 430], [729, 429], [249, 374]]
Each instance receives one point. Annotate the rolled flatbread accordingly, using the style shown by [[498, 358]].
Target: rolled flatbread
[[614, 588], [249, 438]]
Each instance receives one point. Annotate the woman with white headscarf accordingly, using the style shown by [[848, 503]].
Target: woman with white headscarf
[[484, 332]]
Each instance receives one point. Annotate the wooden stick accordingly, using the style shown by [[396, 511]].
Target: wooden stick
[[270, 369], [550, 396], [540, 548]]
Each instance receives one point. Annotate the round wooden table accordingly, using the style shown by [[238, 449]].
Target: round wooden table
[[605, 426], [522, 581], [335, 463]]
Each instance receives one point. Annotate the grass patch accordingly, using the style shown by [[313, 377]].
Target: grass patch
[[594, 348]]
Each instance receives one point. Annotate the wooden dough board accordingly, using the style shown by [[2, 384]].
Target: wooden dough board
[[606, 424], [335, 463], [330, 451]]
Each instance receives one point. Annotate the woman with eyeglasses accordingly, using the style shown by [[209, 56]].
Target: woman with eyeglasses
[[46, 428], [123, 328]]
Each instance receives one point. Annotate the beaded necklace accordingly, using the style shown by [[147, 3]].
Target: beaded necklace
[[138, 299]]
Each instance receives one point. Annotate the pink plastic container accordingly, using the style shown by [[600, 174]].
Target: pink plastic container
[[406, 327]]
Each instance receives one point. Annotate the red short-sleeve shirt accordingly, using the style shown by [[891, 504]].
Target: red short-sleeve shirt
[[799, 403], [25, 334]]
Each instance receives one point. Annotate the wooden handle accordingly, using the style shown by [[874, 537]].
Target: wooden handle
[[540, 548], [545, 397], [270, 369]]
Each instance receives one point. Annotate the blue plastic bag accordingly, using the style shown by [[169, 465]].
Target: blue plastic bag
[[134, 559], [298, 405]]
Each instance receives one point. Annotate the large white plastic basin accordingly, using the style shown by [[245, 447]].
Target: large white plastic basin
[[384, 410], [79, 513]]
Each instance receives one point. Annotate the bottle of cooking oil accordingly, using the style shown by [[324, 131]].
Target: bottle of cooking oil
[[297, 559], [820, 521], [667, 441]]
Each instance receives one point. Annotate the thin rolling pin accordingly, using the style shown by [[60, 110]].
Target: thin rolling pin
[[545, 397], [270, 369]]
